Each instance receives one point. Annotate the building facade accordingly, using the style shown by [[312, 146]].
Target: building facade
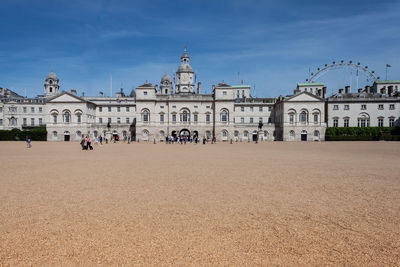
[[228, 113]]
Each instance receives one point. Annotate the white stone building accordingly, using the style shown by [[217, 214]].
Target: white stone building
[[228, 113]]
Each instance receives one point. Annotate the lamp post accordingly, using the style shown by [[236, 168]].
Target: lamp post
[[260, 125]]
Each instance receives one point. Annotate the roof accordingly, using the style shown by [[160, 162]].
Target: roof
[[310, 84], [52, 75], [391, 81], [241, 86]]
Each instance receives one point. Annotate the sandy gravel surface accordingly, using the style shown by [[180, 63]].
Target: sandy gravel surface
[[279, 204]]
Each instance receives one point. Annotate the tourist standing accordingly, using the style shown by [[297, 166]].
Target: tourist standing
[[28, 142]]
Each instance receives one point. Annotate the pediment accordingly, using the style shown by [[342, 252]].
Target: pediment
[[304, 96], [65, 97]]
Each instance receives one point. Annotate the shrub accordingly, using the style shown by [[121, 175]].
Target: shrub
[[36, 134], [362, 133]]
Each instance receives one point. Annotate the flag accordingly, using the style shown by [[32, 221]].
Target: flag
[[388, 66]]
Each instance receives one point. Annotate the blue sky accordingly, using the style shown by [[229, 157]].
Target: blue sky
[[272, 44]]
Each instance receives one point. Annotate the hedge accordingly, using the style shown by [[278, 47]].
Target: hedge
[[362, 133], [37, 134]]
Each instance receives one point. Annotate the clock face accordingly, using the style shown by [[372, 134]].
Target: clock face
[[184, 79]]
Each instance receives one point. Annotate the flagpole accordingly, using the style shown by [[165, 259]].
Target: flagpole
[[386, 72]]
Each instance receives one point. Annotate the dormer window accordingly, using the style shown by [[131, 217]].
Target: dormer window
[[145, 92]]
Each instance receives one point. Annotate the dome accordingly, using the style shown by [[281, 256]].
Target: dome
[[52, 75], [166, 77], [185, 54], [185, 68]]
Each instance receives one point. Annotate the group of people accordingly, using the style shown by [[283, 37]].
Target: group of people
[[183, 139], [86, 142]]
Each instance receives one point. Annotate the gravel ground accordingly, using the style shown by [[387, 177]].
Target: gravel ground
[[279, 204]]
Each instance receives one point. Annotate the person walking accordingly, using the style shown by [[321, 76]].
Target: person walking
[[28, 142], [89, 143], [82, 143]]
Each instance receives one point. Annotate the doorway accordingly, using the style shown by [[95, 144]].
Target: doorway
[[66, 136], [303, 135]]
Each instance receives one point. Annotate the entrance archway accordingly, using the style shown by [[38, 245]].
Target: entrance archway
[[303, 135], [184, 132], [255, 136], [173, 134], [66, 136]]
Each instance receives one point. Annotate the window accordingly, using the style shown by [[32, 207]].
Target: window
[[145, 92], [173, 117], [260, 109], [40, 109], [32, 121], [109, 109], [315, 118], [100, 120], [54, 134], [208, 106], [161, 106], [67, 117], [118, 120], [391, 122], [224, 133], [224, 116], [316, 133], [207, 118], [184, 116], [127, 109], [78, 118], [380, 106], [32, 109], [54, 118], [161, 117], [127, 121], [251, 109], [363, 122], [100, 109], [195, 118], [335, 107], [118, 109], [303, 117], [391, 106], [109, 120], [335, 123], [380, 122], [346, 107], [1, 109], [236, 133], [24, 121], [269, 120], [269, 108], [260, 119], [223, 92], [241, 120], [24, 109], [245, 133], [363, 107], [291, 118], [196, 106], [242, 109], [251, 120], [145, 116], [346, 122], [1, 121]]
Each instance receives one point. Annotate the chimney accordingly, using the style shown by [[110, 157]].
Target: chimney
[[101, 94], [73, 91], [83, 94], [199, 88], [390, 90], [347, 89], [296, 91], [319, 92], [383, 91], [368, 89], [359, 90], [340, 91], [324, 92]]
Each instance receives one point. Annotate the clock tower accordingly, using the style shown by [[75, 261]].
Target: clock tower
[[185, 82]]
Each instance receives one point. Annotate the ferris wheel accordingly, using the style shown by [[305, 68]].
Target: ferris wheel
[[354, 69]]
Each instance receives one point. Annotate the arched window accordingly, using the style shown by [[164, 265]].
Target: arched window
[[265, 135], [145, 115], [78, 134], [184, 116], [245, 133], [124, 133], [224, 133], [236, 133], [67, 116], [316, 133], [95, 134], [145, 133], [224, 115], [162, 134], [303, 117], [13, 121], [54, 135]]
